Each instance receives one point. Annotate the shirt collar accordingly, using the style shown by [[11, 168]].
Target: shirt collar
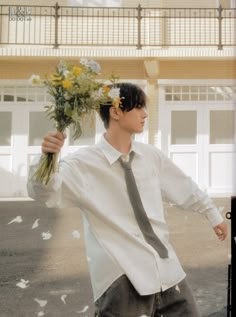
[[113, 154]]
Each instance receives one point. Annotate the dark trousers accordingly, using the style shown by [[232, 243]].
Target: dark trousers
[[122, 300]]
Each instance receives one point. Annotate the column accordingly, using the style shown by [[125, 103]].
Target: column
[[152, 72]]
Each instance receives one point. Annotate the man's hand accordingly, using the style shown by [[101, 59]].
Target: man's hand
[[53, 142], [221, 230]]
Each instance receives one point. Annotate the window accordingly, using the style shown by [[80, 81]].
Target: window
[[5, 128], [88, 127], [23, 93], [183, 127], [39, 125], [222, 127], [200, 93]]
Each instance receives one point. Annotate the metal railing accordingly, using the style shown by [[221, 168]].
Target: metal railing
[[110, 26]]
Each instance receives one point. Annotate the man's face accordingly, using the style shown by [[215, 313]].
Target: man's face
[[133, 121]]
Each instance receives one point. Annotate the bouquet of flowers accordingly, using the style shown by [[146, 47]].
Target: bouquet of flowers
[[75, 92]]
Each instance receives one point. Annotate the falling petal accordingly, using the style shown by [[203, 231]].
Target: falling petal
[[23, 283], [41, 313], [88, 259], [41, 302], [177, 288], [83, 310], [46, 235], [35, 224], [18, 219], [76, 234], [63, 297]]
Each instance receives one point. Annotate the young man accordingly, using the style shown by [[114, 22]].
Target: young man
[[130, 276]]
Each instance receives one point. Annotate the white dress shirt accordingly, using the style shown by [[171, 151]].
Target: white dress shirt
[[93, 180]]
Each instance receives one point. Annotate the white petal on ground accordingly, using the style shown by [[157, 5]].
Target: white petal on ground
[[76, 234], [23, 283], [41, 313], [63, 297], [36, 224], [46, 235], [62, 292], [83, 310], [18, 219], [177, 288], [41, 302]]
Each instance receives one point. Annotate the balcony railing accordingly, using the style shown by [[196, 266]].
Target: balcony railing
[[117, 26]]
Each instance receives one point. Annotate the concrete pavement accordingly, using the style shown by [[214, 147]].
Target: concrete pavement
[[43, 250]]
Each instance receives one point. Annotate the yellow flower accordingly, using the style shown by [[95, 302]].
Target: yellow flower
[[56, 80], [106, 89], [77, 70], [67, 84], [116, 102]]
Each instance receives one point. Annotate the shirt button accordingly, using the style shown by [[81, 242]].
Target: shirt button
[[137, 235]]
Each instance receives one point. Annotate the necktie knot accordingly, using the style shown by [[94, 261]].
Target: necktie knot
[[126, 164]]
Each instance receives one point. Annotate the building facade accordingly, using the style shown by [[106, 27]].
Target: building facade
[[182, 55]]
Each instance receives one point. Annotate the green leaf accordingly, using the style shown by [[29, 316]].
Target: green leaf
[[75, 116], [67, 110], [77, 131]]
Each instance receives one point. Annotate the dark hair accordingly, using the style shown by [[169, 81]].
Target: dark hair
[[132, 96]]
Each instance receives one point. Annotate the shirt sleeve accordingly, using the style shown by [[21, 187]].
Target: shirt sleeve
[[180, 189], [55, 194]]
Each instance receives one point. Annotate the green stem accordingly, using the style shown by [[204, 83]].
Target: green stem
[[47, 165]]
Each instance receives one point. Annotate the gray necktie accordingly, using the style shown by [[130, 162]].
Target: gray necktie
[[139, 211]]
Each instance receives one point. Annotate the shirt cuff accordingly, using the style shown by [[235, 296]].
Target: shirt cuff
[[214, 217]]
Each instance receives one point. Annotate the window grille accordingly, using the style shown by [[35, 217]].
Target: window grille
[[23, 93], [200, 93]]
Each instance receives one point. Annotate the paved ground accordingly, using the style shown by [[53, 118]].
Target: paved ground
[[55, 270]]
